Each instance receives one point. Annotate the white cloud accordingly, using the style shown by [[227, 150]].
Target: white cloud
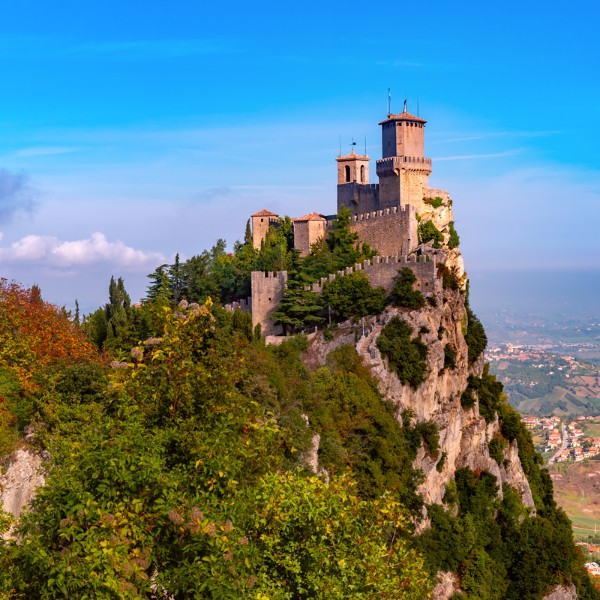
[[50, 251]]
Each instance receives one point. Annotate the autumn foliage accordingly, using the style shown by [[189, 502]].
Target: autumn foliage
[[35, 333]]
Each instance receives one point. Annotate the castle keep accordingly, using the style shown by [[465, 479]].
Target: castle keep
[[384, 215]]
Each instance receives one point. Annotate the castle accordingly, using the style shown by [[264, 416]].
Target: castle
[[384, 215]]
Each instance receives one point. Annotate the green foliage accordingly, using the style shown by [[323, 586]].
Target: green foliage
[[351, 296], [449, 357], [496, 449], [300, 309], [454, 240], [359, 429], [429, 232], [406, 356], [435, 202], [403, 293], [450, 280], [352, 548], [475, 336], [467, 398]]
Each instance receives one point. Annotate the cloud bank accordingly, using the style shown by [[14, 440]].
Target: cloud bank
[[97, 249]]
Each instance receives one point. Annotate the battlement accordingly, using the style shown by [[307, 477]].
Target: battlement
[[393, 164], [381, 270], [381, 213], [245, 305]]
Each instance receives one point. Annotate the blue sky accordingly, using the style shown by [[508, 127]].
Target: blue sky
[[130, 131]]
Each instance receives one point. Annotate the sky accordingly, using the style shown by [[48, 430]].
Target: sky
[[130, 132]]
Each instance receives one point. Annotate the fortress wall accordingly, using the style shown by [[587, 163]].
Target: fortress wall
[[267, 292], [358, 197], [243, 305], [381, 270], [391, 232]]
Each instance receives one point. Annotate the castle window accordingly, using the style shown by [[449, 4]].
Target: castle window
[[347, 169], [362, 173]]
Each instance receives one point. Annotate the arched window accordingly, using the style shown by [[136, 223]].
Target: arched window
[[362, 173], [347, 169]]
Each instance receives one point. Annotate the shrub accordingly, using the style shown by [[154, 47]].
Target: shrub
[[475, 336], [406, 357], [403, 293], [454, 240], [435, 202], [449, 357], [428, 232], [496, 449], [352, 296], [450, 279]]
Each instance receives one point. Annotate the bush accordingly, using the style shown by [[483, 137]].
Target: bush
[[496, 449], [435, 202], [428, 232], [454, 240], [475, 336], [406, 357], [352, 296], [449, 357], [403, 293], [467, 398]]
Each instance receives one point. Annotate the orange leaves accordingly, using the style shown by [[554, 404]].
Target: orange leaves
[[34, 333]]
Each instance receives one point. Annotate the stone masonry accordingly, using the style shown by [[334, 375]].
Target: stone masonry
[[384, 216]]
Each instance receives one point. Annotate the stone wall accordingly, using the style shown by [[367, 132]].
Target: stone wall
[[358, 198], [391, 232], [381, 270], [267, 292]]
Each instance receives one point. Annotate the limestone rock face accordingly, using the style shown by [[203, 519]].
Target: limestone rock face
[[562, 592], [446, 585], [19, 482]]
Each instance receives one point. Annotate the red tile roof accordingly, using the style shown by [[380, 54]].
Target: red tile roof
[[313, 216], [264, 213]]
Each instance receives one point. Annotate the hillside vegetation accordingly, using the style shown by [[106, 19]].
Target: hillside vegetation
[[187, 459]]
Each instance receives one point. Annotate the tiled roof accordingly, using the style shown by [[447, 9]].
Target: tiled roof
[[264, 213], [352, 155], [404, 116], [313, 216]]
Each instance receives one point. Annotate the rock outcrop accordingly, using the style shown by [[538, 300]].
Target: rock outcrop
[[18, 483]]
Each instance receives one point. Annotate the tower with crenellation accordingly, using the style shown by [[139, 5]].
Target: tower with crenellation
[[384, 214]]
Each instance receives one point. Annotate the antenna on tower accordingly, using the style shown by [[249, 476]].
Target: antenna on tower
[[389, 103]]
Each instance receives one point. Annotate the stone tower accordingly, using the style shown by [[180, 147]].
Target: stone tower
[[403, 170], [261, 221], [308, 230], [353, 190]]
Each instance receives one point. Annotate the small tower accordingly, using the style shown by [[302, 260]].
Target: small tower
[[308, 230], [403, 170], [354, 190], [353, 168], [261, 221]]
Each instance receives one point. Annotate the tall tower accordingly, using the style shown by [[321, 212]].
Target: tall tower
[[403, 170]]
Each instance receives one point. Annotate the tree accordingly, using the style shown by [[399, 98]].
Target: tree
[[403, 293], [352, 296]]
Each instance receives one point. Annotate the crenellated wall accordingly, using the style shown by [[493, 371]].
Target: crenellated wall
[[381, 270], [391, 232]]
